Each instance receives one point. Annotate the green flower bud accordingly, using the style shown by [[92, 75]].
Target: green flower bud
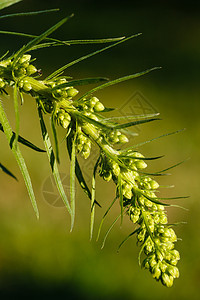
[[123, 139], [93, 101], [156, 272], [173, 271], [115, 169], [31, 70], [65, 123], [20, 72], [72, 92], [24, 58], [140, 164], [98, 107], [154, 185], [167, 280], [27, 86]]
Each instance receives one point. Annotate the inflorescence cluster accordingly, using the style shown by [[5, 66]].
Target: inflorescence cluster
[[83, 121]]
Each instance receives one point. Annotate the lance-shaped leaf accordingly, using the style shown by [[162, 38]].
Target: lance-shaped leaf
[[72, 178], [53, 126], [87, 56], [109, 229], [6, 3], [92, 207], [16, 107], [134, 123], [118, 80], [126, 239], [78, 82], [78, 172], [120, 196], [28, 14], [19, 158], [38, 39], [24, 141], [103, 218], [5, 170], [52, 161]]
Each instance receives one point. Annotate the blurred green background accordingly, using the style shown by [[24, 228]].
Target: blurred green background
[[41, 259]]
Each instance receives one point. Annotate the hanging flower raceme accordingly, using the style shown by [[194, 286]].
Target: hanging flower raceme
[[82, 119]]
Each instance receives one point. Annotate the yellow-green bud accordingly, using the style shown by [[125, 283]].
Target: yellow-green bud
[[27, 86], [154, 185], [167, 280], [140, 164], [31, 69], [123, 139], [72, 92], [98, 107]]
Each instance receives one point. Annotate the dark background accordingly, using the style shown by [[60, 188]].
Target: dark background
[[41, 259]]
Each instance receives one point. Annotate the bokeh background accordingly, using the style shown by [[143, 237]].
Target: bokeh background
[[42, 259]]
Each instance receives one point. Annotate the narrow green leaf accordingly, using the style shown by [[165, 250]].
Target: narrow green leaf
[[108, 231], [6, 3], [134, 123], [102, 220], [52, 161], [154, 200], [79, 174], [72, 179], [24, 141], [32, 13], [38, 39], [141, 158], [100, 87], [120, 196], [5, 170], [173, 166], [138, 117], [4, 55], [93, 198], [94, 122], [87, 56], [132, 233], [78, 82], [94, 41], [156, 138], [16, 107], [35, 47], [55, 137], [19, 158]]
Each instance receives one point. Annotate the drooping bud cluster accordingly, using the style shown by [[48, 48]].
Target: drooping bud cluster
[[83, 144], [23, 67], [153, 234], [135, 188], [62, 92], [91, 105]]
